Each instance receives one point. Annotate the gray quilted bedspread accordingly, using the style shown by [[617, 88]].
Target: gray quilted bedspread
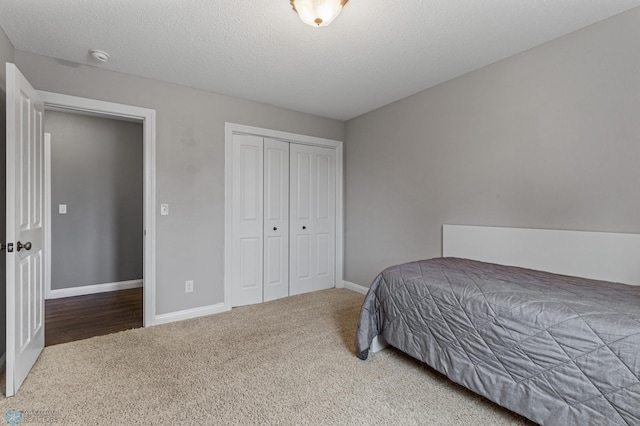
[[558, 350]]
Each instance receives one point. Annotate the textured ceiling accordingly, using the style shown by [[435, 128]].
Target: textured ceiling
[[376, 52]]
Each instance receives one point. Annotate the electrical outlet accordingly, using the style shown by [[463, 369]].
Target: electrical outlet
[[188, 286], [164, 209]]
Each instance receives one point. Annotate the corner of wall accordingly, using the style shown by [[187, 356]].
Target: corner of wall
[[7, 54]]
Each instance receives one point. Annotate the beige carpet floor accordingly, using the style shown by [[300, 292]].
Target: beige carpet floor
[[285, 362]]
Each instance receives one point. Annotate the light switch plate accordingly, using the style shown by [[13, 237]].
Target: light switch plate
[[62, 208], [164, 209]]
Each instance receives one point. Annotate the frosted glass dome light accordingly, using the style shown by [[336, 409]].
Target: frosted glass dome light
[[318, 13]]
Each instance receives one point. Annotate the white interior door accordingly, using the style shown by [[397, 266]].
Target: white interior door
[[247, 220], [312, 218], [276, 219], [25, 228]]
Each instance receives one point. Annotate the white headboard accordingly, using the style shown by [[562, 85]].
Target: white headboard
[[597, 255]]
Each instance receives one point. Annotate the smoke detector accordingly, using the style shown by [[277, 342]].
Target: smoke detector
[[99, 55]]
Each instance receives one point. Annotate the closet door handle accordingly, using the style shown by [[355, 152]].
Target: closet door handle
[[275, 228], [304, 227]]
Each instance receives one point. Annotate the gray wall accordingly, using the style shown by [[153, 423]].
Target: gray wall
[[190, 164], [96, 170], [549, 138], [6, 55]]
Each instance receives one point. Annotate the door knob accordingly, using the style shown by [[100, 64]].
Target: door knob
[[26, 246], [275, 228], [304, 227]]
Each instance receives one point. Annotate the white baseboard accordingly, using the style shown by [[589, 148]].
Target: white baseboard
[[3, 361], [356, 287], [190, 313], [93, 289]]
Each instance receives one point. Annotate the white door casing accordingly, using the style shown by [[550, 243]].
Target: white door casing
[[25, 228], [312, 218], [148, 119], [247, 216], [276, 220]]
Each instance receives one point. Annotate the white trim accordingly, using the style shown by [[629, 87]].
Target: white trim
[[190, 313], [148, 119], [3, 361], [230, 130], [228, 212], [283, 136], [47, 216], [94, 106], [339, 216], [355, 287], [596, 255], [93, 289]]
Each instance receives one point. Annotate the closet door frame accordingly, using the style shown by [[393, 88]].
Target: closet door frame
[[232, 129]]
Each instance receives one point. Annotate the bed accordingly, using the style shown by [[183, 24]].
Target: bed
[[555, 348]]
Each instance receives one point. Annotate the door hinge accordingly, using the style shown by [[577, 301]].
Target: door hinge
[[10, 248]]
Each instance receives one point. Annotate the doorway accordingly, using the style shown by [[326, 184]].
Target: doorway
[[91, 107], [94, 212]]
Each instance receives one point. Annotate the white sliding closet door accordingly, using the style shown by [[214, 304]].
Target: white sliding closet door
[[276, 219], [312, 218], [247, 221]]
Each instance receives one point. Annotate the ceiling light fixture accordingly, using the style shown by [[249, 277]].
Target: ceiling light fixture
[[318, 13], [99, 55]]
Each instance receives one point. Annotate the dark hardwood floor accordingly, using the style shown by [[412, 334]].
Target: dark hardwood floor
[[81, 317]]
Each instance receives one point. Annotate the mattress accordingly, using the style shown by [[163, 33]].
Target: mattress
[[558, 350]]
